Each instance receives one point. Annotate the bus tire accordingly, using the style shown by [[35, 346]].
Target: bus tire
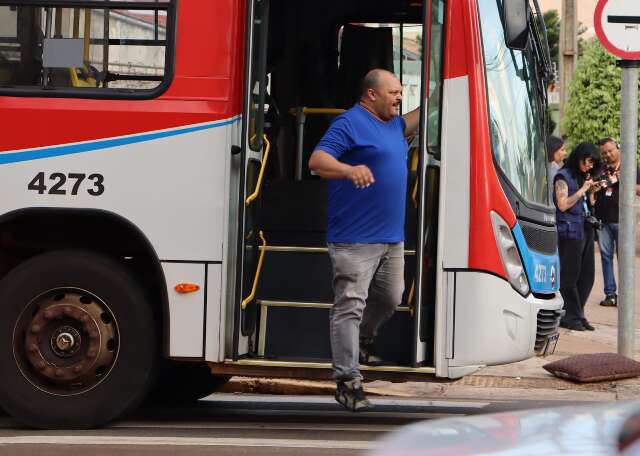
[[78, 342], [184, 382]]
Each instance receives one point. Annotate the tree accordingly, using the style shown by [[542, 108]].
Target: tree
[[593, 109], [552, 23]]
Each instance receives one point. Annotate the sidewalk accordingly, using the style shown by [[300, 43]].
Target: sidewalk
[[526, 379]]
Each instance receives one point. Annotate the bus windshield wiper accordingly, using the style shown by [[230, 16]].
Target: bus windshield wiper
[[541, 58], [539, 43]]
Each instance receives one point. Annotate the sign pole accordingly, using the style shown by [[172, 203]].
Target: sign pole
[[617, 24], [627, 235]]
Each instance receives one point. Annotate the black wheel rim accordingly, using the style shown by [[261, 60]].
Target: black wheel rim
[[66, 341]]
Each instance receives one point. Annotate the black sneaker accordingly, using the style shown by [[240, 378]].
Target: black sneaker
[[367, 354], [609, 301], [351, 395]]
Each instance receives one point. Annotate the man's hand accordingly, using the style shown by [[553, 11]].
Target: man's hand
[[327, 167], [361, 176]]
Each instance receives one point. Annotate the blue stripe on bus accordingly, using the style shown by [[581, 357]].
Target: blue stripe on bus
[[15, 157]]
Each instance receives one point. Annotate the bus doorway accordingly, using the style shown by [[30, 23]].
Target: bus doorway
[[304, 64]]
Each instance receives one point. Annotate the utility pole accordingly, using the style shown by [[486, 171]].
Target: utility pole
[[568, 49]]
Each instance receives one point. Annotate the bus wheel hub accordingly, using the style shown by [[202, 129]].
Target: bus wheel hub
[[70, 341], [66, 341]]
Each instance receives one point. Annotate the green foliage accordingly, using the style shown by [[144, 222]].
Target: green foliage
[[552, 22], [593, 110]]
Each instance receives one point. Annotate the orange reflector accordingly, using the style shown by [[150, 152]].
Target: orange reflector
[[186, 287]]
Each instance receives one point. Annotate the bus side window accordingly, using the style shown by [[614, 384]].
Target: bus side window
[[62, 46], [434, 89]]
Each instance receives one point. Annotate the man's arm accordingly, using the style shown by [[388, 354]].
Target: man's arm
[[412, 121], [327, 166], [637, 190]]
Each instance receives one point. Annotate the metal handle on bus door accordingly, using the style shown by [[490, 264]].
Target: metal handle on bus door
[[414, 166], [301, 117], [265, 157], [256, 278], [410, 303]]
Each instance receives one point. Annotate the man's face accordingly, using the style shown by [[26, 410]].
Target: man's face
[[387, 96], [586, 164], [610, 152]]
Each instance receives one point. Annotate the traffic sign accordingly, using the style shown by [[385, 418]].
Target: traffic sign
[[617, 24]]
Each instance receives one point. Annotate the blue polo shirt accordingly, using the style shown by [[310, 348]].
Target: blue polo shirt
[[374, 214]]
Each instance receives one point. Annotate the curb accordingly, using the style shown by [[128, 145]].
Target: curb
[[493, 386]]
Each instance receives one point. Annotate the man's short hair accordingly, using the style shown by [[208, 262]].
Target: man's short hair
[[371, 80], [608, 139]]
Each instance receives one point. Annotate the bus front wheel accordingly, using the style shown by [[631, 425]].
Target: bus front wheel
[[78, 340]]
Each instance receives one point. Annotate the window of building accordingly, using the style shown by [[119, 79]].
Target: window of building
[[85, 47]]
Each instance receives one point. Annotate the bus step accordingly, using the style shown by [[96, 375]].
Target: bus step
[[299, 330], [303, 274]]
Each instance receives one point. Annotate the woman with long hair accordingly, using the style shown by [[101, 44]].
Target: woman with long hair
[[573, 196]]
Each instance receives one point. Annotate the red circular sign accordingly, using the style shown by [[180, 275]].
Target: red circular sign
[[604, 33]]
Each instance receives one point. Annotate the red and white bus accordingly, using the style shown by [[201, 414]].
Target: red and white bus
[[160, 230]]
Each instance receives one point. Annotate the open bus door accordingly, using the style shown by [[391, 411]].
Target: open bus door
[[423, 291], [255, 150], [296, 256]]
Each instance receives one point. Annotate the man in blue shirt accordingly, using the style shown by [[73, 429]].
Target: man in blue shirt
[[364, 156]]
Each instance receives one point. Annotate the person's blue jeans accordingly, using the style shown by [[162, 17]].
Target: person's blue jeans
[[608, 243]]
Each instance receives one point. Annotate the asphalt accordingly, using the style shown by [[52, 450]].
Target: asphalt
[[523, 380]]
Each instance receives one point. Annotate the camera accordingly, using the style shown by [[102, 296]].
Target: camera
[[595, 222], [607, 177]]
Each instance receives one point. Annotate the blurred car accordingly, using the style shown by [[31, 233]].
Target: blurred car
[[600, 429]]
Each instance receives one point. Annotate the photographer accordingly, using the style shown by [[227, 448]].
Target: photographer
[[574, 191], [607, 210]]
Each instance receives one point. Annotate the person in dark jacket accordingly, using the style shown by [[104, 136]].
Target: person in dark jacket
[[573, 196]]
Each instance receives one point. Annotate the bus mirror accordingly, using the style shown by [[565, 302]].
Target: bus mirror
[[516, 24]]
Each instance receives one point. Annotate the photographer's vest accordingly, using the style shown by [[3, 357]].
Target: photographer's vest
[[570, 223]]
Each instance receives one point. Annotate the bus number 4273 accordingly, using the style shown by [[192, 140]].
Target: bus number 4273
[[61, 183]]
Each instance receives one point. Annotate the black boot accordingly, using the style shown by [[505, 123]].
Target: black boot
[[609, 301], [587, 325]]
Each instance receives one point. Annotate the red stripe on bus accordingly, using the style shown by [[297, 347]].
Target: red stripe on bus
[[486, 193]]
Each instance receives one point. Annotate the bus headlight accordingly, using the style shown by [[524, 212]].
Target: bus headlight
[[509, 255]]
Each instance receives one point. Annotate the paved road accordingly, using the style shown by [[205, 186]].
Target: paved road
[[228, 424]]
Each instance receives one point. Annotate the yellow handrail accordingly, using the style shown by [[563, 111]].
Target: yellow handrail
[[256, 278], [256, 192], [410, 298]]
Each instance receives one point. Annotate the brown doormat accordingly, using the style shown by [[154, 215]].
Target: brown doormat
[[594, 367]]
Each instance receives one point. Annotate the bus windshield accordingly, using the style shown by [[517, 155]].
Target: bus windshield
[[515, 109]]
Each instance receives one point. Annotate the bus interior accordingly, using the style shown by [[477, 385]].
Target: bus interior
[[307, 60]]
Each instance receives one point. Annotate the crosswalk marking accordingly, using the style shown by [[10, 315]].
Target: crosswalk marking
[[255, 426], [185, 441]]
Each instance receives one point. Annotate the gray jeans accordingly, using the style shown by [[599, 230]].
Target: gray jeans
[[368, 282]]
